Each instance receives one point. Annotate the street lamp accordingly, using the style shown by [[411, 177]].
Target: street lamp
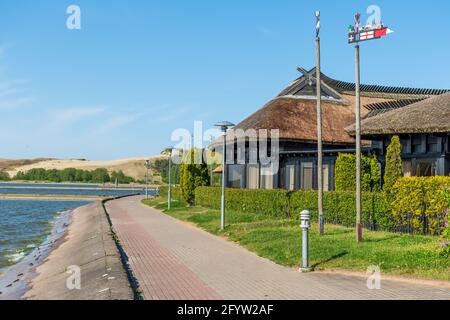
[[169, 197], [224, 126], [147, 166]]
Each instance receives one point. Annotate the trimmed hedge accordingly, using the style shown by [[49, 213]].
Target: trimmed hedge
[[339, 207], [345, 173], [175, 193], [273, 203], [421, 203]]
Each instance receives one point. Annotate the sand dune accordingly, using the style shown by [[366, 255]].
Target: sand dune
[[133, 167]]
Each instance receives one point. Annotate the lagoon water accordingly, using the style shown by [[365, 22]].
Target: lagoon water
[[65, 189], [25, 224]]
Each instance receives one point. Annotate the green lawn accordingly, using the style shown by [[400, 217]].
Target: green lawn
[[280, 241]]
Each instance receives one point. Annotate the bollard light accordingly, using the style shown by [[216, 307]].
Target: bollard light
[[305, 219]]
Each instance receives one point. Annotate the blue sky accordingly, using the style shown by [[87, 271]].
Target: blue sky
[[137, 70]]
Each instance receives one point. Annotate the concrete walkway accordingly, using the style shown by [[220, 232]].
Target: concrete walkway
[[174, 260], [88, 245]]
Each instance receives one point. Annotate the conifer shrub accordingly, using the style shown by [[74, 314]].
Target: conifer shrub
[[345, 173], [394, 167]]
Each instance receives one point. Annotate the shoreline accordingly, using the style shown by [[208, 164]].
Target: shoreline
[[130, 185], [50, 197], [14, 279], [87, 244]]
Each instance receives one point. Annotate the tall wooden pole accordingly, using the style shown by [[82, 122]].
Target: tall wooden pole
[[319, 138], [358, 145]]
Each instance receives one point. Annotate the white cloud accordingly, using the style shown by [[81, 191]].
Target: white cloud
[[12, 92], [119, 121], [171, 114], [70, 115], [15, 102]]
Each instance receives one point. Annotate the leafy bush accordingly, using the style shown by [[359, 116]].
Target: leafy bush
[[444, 242], [420, 203], [394, 167], [345, 173]]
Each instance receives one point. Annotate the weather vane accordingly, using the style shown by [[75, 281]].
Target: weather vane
[[358, 33], [317, 23]]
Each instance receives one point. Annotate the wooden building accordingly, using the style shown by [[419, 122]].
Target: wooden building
[[293, 113]]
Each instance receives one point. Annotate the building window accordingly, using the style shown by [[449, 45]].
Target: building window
[[290, 177], [432, 144], [307, 175], [416, 145], [407, 168], [425, 168], [267, 177], [236, 176], [406, 145], [253, 176]]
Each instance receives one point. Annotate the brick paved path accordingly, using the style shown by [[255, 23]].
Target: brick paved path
[[174, 260]]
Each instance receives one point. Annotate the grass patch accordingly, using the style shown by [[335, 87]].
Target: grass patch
[[280, 241]]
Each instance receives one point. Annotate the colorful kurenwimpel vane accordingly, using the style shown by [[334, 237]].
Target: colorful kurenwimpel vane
[[358, 33]]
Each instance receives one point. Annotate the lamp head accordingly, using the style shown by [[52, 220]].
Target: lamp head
[[168, 150], [224, 125]]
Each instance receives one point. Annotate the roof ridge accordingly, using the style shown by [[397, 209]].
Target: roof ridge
[[370, 89]]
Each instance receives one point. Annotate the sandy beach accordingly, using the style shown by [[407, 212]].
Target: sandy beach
[[87, 244]]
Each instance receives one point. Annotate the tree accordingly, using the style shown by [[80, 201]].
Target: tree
[[100, 175], [4, 176], [162, 167], [87, 176], [120, 177], [394, 165], [192, 176]]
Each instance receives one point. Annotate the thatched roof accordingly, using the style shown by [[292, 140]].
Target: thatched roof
[[293, 111], [428, 116], [296, 119], [367, 90]]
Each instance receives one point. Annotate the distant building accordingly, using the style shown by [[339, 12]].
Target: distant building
[[293, 112]]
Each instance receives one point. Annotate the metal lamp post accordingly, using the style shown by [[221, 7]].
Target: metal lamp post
[[224, 126], [147, 165], [169, 194]]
